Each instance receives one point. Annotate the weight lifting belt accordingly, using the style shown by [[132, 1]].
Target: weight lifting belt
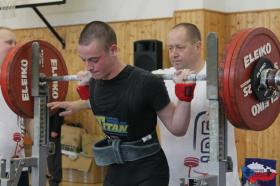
[[116, 151]]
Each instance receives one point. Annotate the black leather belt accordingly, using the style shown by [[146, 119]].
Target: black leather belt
[[115, 151]]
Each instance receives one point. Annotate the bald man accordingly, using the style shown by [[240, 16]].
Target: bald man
[[9, 125]]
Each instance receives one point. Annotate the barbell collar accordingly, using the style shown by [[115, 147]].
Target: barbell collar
[[270, 78], [277, 79]]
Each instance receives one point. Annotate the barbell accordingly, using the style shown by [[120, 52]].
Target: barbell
[[248, 75]]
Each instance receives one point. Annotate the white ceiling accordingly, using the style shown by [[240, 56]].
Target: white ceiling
[[84, 11]]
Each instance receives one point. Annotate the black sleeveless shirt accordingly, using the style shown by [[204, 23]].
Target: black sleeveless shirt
[[126, 105]]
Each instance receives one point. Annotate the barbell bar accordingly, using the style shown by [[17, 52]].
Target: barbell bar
[[59, 78], [269, 78], [190, 77]]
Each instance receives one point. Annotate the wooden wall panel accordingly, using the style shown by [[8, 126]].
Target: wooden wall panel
[[215, 22], [129, 32]]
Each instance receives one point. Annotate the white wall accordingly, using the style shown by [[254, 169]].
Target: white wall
[[245, 5], [188, 4], [218, 5], [84, 11]]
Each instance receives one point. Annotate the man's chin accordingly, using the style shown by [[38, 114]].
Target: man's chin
[[178, 67], [95, 76]]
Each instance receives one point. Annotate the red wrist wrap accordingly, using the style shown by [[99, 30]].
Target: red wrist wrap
[[184, 91], [83, 91]]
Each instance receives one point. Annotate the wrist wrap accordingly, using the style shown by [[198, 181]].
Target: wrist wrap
[[83, 91], [184, 91]]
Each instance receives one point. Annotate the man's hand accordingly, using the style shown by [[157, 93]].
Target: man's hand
[[180, 75], [84, 77], [184, 90], [70, 107], [54, 134]]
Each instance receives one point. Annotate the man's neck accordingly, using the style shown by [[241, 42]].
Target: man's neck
[[116, 69], [199, 66]]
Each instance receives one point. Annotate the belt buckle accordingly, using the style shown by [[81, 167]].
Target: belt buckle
[[109, 139], [146, 138]]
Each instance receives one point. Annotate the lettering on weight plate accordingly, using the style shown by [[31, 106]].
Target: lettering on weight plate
[[54, 88], [262, 106], [246, 88], [24, 82], [259, 107], [274, 97], [256, 54]]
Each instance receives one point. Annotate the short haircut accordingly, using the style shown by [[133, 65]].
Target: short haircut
[[191, 30], [98, 30]]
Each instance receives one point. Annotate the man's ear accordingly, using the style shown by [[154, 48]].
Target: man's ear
[[113, 50], [198, 45]]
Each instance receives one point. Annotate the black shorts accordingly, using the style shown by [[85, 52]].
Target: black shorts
[[149, 171]]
